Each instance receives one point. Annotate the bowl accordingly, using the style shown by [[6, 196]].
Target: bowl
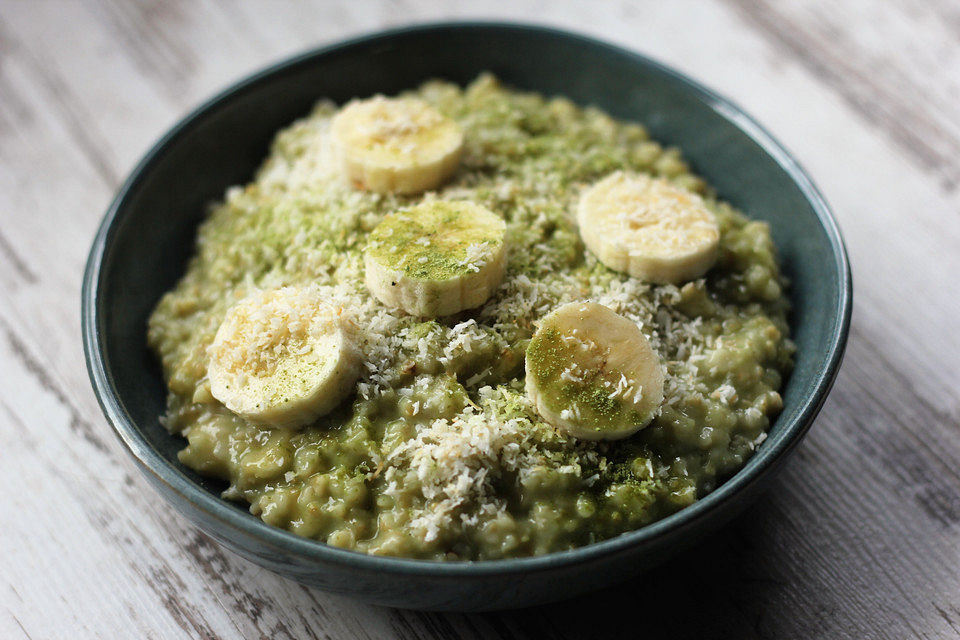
[[147, 234]]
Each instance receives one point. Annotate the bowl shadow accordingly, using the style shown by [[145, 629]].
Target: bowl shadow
[[710, 590]]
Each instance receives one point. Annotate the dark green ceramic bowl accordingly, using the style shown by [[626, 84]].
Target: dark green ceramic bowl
[[147, 234]]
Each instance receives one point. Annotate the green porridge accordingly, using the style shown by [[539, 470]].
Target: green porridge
[[436, 450]]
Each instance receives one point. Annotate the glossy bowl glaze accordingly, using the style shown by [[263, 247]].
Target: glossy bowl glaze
[[147, 235]]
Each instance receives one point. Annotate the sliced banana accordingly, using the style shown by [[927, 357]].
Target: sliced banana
[[437, 258], [283, 357], [592, 373], [648, 228], [396, 145]]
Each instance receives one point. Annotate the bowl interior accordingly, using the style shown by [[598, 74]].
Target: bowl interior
[[148, 234]]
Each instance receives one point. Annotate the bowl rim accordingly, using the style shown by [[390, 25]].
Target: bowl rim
[[246, 525]]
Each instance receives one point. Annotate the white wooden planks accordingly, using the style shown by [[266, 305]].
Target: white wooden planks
[[860, 536]]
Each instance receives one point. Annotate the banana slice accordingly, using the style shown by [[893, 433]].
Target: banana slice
[[648, 228], [398, 145], [591, 372], [283, 358], [437, 258]]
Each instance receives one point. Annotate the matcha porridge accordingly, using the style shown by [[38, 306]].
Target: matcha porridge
[[466, 324]]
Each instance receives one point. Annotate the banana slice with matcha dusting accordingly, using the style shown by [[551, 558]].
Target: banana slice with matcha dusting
[[648, 228], [396, 145], [592, 373], [437, 258], [283, 357]]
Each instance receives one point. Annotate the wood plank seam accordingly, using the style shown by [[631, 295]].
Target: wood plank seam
[[898, 125], [78, 423], [18, 264], [59, 95]]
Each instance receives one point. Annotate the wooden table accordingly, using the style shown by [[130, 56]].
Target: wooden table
[[859, 537]]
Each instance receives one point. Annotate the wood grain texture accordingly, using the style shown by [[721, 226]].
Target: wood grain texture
[[899, 68], [859, 537]]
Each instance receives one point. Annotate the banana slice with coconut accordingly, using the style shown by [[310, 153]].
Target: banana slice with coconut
[[396, 145], [592, 373], [648, 228], [437, 258], [283, 357]]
